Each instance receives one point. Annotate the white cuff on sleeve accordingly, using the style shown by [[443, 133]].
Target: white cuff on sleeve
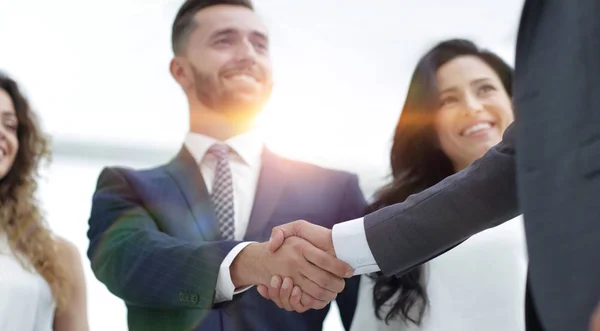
[[351, 246], [225, 289]]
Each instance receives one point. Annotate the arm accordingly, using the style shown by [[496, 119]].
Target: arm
[[146, 267], [401, 236], [427, 224], [73, 317], [139, 263]]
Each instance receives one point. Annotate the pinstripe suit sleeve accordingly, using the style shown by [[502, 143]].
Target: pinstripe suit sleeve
[[142, 265]]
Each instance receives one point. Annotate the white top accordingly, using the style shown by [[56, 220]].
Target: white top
[[26, 302], [245, 163], [479, 285]]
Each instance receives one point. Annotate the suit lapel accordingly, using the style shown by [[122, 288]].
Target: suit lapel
[[186, 173], [271, 182]]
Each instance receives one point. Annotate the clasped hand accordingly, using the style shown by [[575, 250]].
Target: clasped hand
[[317, 280]]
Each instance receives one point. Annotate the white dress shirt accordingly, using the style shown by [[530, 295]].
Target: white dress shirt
[[245, 162], [351, 246]]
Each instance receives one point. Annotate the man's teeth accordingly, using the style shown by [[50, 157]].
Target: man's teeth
[[2, 153], [476, 128], [243, 77]]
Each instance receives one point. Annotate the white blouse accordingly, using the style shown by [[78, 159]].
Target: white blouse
[[26, 302], [478, 285]]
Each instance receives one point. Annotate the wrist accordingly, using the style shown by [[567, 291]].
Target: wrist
[[247, 269]]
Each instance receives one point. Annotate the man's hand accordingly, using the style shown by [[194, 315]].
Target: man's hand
[[296, 259], [287, 297], [317, 235], [283, 291]]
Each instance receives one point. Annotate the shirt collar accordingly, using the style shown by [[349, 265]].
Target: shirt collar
[[248, 145]]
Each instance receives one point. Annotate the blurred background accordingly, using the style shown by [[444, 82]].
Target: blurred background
[[97, 74]]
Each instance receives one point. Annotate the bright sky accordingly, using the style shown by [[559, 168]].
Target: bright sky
[[97, 71]]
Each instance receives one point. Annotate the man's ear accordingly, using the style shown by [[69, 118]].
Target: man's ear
[[181, 72]]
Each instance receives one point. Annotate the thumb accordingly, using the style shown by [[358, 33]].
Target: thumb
[[282, 232], [317, 235], [276, 240]]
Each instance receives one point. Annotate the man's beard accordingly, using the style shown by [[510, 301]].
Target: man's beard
[[210, 94]]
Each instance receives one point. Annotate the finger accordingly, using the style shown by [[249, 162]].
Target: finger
[[328, 263], [323, 279], [274, 290], [281, 232], [313, 289], [276, 240], [295, 300], [317, 235], [285, 293], [309, 302], [263, 291]]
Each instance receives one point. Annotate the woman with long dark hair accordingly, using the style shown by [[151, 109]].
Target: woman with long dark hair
[[457, 107], [42, 287]]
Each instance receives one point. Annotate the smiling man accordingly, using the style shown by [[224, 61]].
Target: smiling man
[[180, 243]]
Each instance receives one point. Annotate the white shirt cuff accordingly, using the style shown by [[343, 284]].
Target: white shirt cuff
[[351, 246], [225, 289]]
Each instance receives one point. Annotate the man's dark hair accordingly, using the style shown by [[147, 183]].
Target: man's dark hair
[[184, 22]]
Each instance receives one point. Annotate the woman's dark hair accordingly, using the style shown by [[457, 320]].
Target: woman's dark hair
[[417, 163]]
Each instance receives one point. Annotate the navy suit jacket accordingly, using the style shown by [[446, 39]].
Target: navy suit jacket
[[155, 242]]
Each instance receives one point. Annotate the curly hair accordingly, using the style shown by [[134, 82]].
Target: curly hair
[[29, 237]]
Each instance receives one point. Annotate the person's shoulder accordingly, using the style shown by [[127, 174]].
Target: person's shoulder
[[110, 175], [151, 169], [128, 171], [67, 251]]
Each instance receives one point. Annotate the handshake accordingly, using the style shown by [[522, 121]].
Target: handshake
[[297, 268]]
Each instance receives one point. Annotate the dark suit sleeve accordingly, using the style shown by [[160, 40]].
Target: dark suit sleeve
[[427, 224], [139, 263], [353, 206]]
